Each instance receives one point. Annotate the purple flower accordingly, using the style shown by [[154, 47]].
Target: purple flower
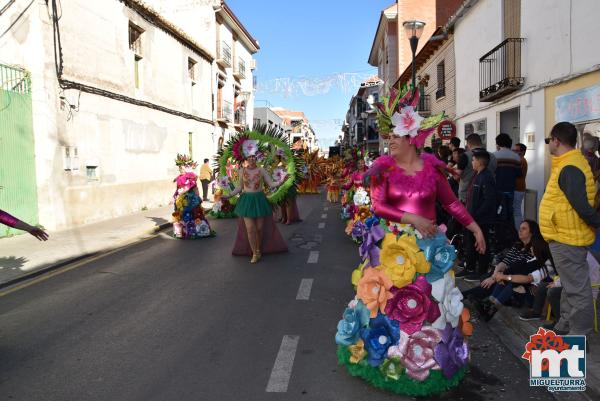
[[452, 353]]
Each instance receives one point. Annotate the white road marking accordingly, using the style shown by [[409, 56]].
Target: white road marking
[[324, 216], [313, 257], [304, 289], [326, 208], [321, 225], [282, 369]]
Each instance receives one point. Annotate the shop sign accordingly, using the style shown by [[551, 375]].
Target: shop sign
[[578, 106], [446, 130]]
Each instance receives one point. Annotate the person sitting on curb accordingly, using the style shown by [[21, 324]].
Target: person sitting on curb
[[552, 292], [527, 263]]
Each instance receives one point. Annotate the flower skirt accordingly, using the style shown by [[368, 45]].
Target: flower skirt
[[253, 205]]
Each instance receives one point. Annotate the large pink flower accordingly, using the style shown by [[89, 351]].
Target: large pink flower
[[416, 352], [412, 305], [407, 122]]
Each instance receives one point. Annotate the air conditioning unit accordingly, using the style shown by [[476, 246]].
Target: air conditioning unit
[[253, 64]]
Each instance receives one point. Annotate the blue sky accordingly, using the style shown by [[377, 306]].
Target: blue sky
[[308, 46]]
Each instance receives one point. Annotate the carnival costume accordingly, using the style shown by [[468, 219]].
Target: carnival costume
[[406, 329], [189, 221], [266, 145]]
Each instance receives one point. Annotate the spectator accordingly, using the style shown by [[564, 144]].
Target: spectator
[[520, 185], [428, 149], [465, 169], [567, 221], [481, 204], [205, 179], [444, 153], [507, 172], [590, 147], [454, 144], [527, 263]]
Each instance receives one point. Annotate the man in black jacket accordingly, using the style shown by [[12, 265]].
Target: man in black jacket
[[481, 204]]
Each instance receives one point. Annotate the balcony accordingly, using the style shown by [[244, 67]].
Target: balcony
[[223, 54], [239, 117], [424, 105], [240, 71], [224, 113], [500, 70]]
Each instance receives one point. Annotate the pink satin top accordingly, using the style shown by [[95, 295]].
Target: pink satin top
[[8, 219], [394, 193]]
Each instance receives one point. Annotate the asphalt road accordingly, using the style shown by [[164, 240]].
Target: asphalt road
[[184, 320]]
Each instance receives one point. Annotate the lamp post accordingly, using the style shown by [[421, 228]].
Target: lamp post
[[413, 30]]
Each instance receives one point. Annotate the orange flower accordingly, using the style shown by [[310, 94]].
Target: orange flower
[[373, 290], [349, 227], [466, 327]]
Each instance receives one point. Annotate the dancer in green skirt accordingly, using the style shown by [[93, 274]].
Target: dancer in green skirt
[[253, 205]]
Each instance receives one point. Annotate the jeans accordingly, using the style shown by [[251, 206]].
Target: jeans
[[508, 199], [474, 261], [502, 292], [204, 189], [517, 204]]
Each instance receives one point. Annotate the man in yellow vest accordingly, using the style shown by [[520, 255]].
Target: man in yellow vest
[[568, 222]]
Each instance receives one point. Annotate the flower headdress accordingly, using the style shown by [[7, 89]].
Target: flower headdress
[[397, 115], [185, 161], [245, 147]]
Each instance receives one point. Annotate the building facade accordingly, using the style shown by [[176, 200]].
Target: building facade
[[535, 67], [125, 95], [266, 116], [300, 133]]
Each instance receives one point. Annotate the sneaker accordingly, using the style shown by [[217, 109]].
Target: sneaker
[[473, 277], [462, 273], [530, 315]]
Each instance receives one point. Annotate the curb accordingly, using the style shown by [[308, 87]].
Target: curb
[[52, 267], [512, 332]]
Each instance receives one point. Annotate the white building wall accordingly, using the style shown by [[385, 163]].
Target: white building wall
[[133, 147], [447, 103]]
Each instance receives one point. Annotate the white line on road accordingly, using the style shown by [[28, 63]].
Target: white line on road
[[313, 257], [326, 208], [282, 369], [321, 225], [324, 216], [304, 290]]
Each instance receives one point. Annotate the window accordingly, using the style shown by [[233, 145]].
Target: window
[[441, 81], [192, 70], [91, 173], [135, 45], [135, 38], [478, 127]]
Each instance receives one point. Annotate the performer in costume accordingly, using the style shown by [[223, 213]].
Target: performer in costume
[[189, 221], [254, 208], [12, 221], [405, 330]]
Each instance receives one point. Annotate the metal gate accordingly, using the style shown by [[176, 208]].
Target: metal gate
[[18, 188]]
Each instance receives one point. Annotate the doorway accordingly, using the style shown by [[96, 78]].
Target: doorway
[[510, 124]]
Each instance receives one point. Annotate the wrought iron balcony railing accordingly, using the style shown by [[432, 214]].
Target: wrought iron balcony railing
[[239, 117], [240, 70], [424, 105], [500, 70], [224, 113], [224, 54]]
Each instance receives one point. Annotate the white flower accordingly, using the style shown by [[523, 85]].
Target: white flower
[[361, 197], [278, 174], [407, 122], [203, 229], [217, 207], [449, 300], [223, 182], [250, 147]]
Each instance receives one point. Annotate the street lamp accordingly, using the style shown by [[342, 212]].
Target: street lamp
[[413, 30]]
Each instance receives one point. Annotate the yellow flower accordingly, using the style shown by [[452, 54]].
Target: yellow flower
[[357, 273], [401, 259], [358, 351]]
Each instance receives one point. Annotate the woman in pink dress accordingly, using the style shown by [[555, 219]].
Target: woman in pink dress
[[13, 222]]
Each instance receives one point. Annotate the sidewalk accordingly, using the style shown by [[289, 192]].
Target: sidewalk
[[23, 255], [514, 334]]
